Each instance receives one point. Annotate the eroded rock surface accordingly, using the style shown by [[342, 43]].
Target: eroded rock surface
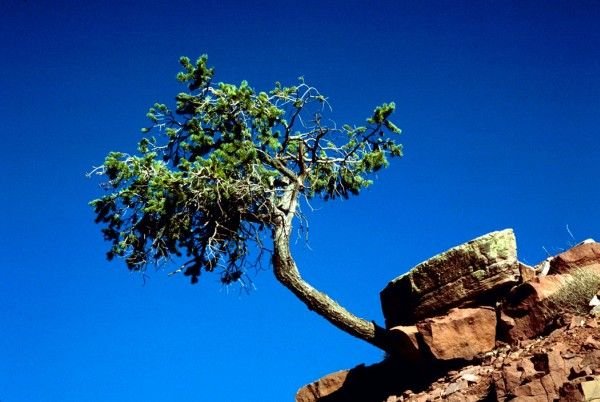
[[525, 313], [460, 334]]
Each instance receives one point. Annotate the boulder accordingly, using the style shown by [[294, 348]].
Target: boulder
[[584, 255], [460, 334], [524, 314], [473, 271], [406, 343], [323, 387]]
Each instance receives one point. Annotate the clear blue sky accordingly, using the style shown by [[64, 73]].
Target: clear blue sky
[[500, 106]]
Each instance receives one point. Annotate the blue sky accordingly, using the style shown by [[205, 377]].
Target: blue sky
[[499, 102]]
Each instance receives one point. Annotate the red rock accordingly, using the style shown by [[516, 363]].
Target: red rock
[[533, 391], [550, 387], [592, 343], [322, 387], [556, 368], [406, 343], [523, 315], [576, 321], [461, 334], [528, 370], [570, 392], [592, 359], [527, 272], [585, 255]]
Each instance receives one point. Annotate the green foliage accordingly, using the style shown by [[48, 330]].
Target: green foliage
[[574, 296], [215, 173]]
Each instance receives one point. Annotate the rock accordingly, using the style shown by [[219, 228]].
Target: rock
[[592, 360], [523, 313], [376, 382], [463, 274], [591, 343], [322, 387], [454, 387], [461, 334], [543, 267], [591, 390], [527, 273], [584, 255], [576, 321], [469, 377], [554, 365], [406, 343], [570, 392], [532, 391]]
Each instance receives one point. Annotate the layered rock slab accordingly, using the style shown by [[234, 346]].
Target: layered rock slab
[[463, 274]]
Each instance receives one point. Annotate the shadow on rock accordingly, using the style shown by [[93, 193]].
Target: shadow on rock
[[378, 381]]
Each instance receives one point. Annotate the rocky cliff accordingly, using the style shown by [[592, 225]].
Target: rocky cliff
[[475, 324]]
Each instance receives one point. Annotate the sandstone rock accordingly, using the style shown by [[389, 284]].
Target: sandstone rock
[[322, 387], [532, 391], [592, 343], [406, 343], [470, 378], [376, 382], [571, 392], [584, 255], [461, 334], [454, 278], [527, 273], [576, 321], [560, 366], [592, 360], [523, 314], [554, 365]]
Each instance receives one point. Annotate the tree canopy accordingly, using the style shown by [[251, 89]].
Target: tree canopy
[[227, 167]]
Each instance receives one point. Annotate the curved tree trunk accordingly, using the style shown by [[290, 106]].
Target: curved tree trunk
[[287, 273]]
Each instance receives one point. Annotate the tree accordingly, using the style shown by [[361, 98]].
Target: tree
[[227, 171]]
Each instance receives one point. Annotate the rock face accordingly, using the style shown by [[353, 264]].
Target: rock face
[[458, 276], [475, 324], [322, 387], [524, 313], [460, 334], [585, 255], [564, 367], [407, 342]]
